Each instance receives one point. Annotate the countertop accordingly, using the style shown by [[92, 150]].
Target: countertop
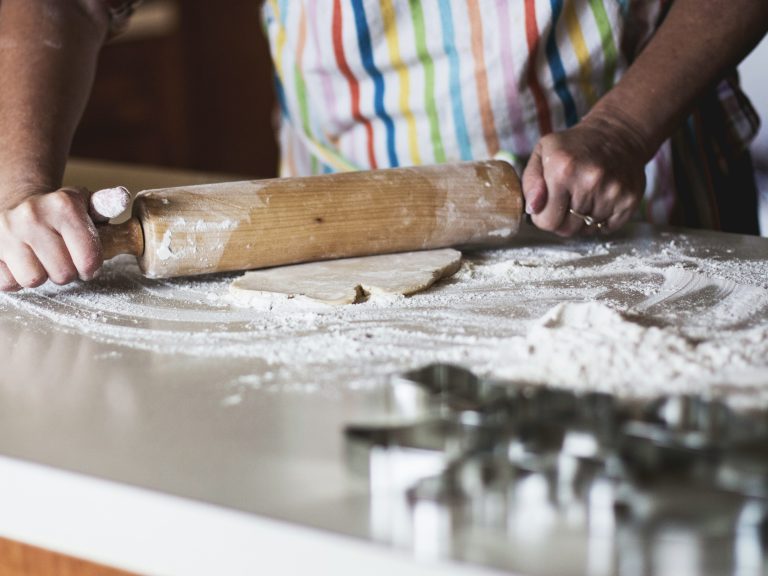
[[151, 460]]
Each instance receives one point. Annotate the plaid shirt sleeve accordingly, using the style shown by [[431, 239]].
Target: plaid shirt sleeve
[[120, 12], [743, 123]]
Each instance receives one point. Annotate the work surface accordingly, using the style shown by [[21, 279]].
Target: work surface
[[170, 386]]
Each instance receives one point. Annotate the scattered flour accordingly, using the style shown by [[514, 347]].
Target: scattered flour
[[205, 226], [670, 316]]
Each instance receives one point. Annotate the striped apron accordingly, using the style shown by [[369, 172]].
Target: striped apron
[[374, 84]]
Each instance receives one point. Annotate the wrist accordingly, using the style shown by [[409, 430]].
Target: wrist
[[631, 133], [14, 191]]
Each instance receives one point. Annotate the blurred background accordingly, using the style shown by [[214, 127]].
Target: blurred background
[[754, 76], [190, 86]]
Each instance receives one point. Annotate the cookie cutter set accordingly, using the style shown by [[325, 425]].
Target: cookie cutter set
[[548, 481]]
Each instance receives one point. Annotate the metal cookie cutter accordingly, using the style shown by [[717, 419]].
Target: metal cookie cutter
[[468, 450]]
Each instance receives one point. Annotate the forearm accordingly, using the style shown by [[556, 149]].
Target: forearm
[[697, 43], [48, 53]]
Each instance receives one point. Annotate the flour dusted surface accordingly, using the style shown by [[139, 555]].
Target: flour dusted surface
[[635, 318]]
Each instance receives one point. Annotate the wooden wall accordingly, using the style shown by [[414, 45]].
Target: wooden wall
[[189, 86]]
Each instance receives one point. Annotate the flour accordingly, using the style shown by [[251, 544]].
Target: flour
[[164, 250], [206, 226], [590, 346], [110, 203], [639, 320]]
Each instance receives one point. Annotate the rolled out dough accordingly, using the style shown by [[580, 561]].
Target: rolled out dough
[[350, 280]]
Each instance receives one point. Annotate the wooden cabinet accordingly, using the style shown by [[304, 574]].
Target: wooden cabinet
[[189, 85], [17, 559]]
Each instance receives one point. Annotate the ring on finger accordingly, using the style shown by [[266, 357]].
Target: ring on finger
[[588, 220]]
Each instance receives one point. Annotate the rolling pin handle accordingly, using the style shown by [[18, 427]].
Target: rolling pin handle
[[125, 238]]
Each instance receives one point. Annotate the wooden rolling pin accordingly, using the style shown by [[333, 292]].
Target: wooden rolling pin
[[257, 224]]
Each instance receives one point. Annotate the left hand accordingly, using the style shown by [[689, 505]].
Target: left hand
[[596, 168]]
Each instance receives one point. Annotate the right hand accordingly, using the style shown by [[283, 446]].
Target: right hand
[[596, 167], [48, 235]]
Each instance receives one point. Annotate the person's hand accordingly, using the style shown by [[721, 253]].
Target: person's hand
[[48, 235], [596, 169]]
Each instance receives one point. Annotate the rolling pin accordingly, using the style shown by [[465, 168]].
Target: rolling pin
[[258, 224]]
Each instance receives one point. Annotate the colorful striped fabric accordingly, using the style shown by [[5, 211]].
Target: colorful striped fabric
[[384, 83]]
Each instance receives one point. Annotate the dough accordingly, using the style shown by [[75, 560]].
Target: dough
[[350, 280]]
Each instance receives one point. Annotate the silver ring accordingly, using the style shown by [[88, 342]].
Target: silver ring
[[588, 220]]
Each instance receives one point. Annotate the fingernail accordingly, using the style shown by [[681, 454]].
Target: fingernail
[[529, 210], [87, 278]]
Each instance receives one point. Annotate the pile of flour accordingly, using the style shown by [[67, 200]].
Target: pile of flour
[[591, 346], [666, 317]]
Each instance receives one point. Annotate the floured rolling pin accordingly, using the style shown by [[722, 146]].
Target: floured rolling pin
[[257, 224]]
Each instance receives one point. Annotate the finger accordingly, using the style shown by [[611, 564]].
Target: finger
[[590, 184], [614, 207], [52, 253], [7, 281], [83, 244], [556, 210], [534, 185], [558, 176], [574, 223], [612, 224], [109, 203], [618, 219], [78, 231], [603, 223], [25, 267], [83, 195], [621, 213]]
